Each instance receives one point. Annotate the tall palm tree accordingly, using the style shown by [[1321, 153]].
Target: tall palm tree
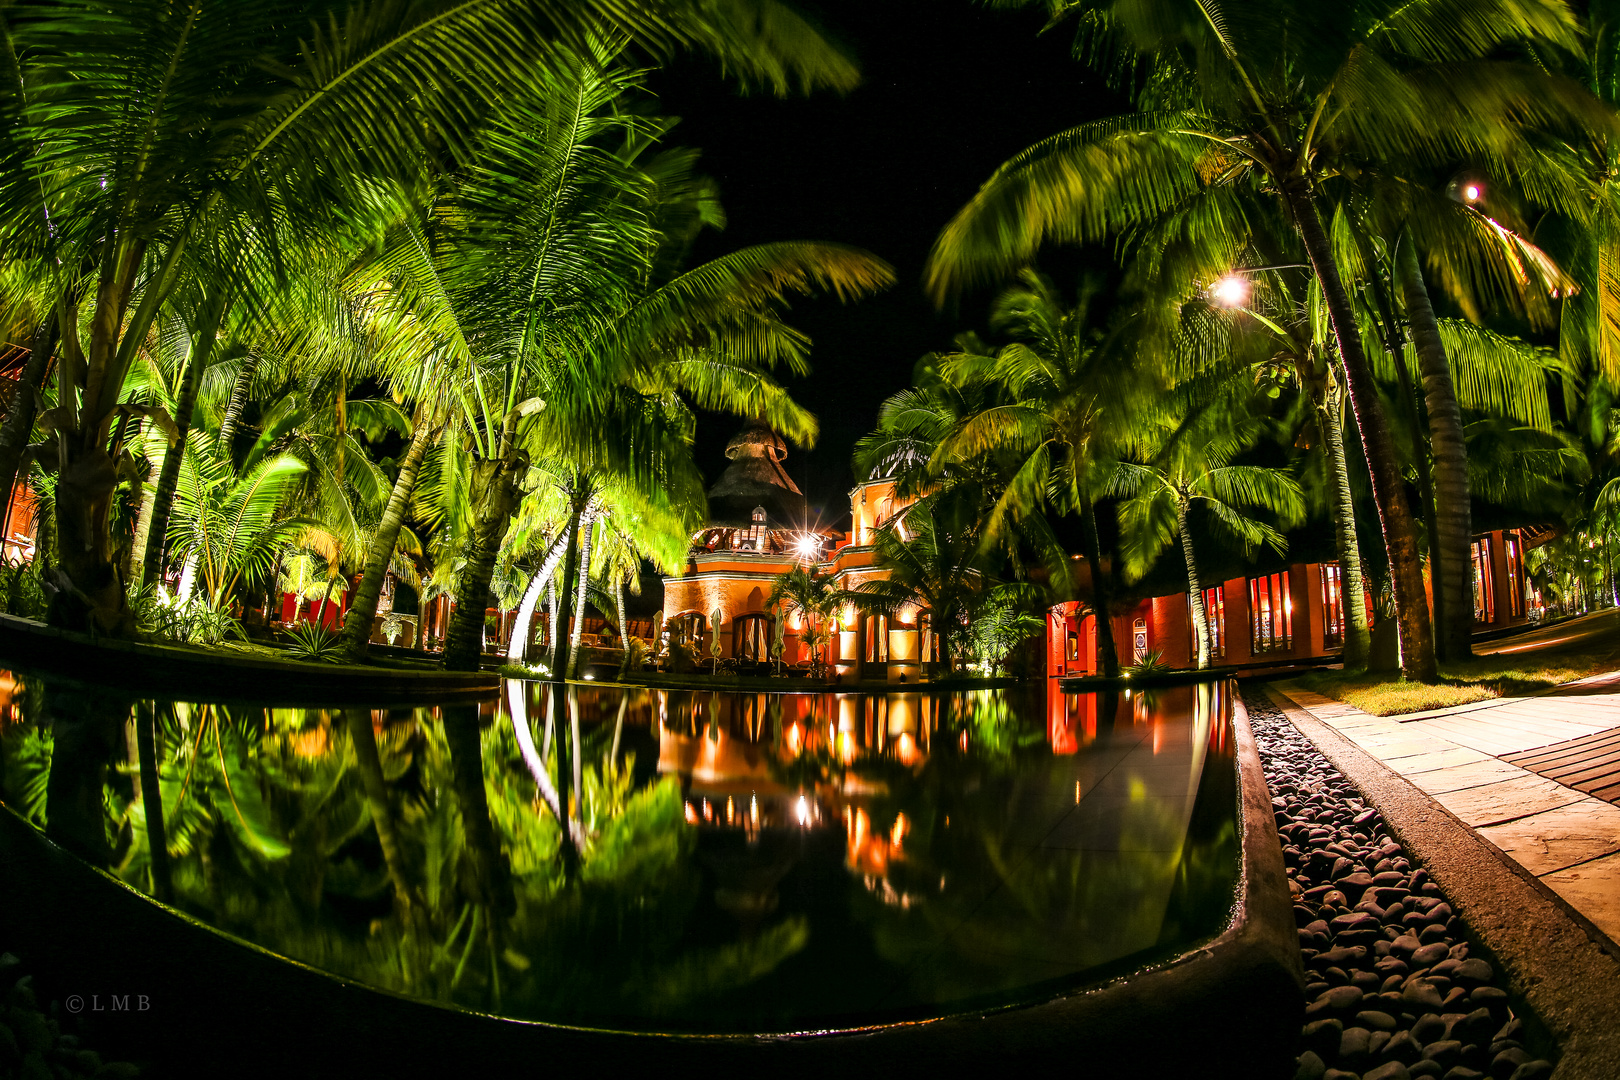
[[581, 340], [933, 559], [1064, 411], [1187, 462], [143, 141], [1280, 95]]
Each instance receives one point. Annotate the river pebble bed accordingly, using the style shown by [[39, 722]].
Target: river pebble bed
[[1392, 991]]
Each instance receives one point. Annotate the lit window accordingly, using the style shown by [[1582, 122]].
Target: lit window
[[1271, 614], [1215, 615], [1332, 607], [1484, 595]]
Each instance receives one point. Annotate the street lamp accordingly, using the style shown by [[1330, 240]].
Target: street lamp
[[1231, 291]]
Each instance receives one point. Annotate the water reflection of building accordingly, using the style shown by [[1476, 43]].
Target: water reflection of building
[[758, 762]]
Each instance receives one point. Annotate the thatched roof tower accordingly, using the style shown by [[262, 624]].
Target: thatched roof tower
[[754, 478]]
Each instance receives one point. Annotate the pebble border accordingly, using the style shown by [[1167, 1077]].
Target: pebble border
[[1391, 989], [33, 1045]]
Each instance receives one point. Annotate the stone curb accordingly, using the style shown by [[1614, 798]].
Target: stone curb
[[1566, 977]]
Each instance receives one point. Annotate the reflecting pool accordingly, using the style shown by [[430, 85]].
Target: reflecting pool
[[662, 860]]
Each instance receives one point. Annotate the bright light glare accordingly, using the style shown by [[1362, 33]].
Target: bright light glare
[[809, 546], [803, 811], [1231, 291], [1471, 193]]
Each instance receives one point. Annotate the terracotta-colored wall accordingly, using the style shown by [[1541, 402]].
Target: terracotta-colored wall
[[1170, 629]]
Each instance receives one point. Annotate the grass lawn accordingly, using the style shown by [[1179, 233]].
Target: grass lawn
[[1475, 680]]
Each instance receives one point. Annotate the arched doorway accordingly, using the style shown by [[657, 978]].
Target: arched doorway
[[751, 638]]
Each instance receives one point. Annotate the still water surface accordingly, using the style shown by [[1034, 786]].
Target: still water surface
[[731, 862]]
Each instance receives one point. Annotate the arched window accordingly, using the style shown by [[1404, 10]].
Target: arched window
[[689, 626]]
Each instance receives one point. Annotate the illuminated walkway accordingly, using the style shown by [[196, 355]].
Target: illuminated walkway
[[1534, 776]]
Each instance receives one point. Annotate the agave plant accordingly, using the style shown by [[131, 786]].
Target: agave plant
[[315, 643]]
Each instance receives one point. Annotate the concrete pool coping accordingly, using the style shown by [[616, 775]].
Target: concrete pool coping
[[1556, 965], [1230, 1007], [138, 668]]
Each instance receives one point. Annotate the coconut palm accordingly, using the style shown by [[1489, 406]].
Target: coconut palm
[[1061, 411], [231, 525], [817, 600], [1279, 96], [933, 558], [1187, 462], [142, 143]]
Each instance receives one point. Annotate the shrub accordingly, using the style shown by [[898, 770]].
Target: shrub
[[1152, 663], [191, 622], [314, 643], [22, 589]]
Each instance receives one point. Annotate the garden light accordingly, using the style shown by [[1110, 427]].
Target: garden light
[[1231, 291]]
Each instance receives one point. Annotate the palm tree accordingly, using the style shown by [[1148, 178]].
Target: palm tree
[[1062, 412], [933, 566], [230, 525], [816, 599], [1188, 462], [1274, 95], [583, 343], [142, 143]]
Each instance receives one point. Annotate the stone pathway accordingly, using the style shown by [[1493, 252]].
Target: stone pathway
[[1496, 765]]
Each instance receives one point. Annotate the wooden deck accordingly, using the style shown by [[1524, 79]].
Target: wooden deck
[[1590, 764]]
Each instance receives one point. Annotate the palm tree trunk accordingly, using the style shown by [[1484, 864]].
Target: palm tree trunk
[[618, 602], [202, 347], [1195, 589], [1451, 495], [1342, 510], [188, 579], [494, 496], [19, 425], [562, 598], [567, 793], [1417, 425], [517, 649], [237, 402], [355, 639], [152, 799], [326, 597], [492, 881], [1395, 516], [588, 528], [1106, 650], [369, 764], [618, 726], [157, 446], [551, 608]]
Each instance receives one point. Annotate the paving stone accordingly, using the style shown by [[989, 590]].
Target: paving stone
[[1593, 889], [1505, 800], [1559, 837]]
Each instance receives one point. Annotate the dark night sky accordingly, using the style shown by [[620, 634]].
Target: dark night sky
[[950, 91]]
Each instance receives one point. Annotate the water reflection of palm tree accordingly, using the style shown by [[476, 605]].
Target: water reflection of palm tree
[[157, 843], [369, 764], [85, 727]]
